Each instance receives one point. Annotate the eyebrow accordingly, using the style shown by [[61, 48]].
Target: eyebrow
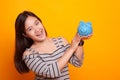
[[35, 21]]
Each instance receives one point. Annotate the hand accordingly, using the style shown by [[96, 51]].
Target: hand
[[86, 37]]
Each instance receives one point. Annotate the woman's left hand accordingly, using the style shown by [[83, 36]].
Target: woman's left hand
[[86, 37]]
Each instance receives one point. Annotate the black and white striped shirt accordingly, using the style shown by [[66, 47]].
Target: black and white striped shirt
[[45, 66]]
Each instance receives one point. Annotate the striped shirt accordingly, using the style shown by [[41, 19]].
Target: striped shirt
[[45, 66]]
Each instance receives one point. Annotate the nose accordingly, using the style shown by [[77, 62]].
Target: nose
[[37, 30]]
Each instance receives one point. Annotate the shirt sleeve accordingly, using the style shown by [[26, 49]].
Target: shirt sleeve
[[75, 61], [40, 67]]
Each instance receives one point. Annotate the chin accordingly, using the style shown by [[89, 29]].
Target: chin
[[42, 39]]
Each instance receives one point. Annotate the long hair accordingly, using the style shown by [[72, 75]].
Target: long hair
[[22, 42]]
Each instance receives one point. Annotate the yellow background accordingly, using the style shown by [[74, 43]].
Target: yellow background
[[61, 18]]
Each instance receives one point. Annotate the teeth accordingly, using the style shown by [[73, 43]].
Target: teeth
[[39, 34]]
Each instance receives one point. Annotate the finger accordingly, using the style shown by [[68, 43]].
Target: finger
[[86, 37]]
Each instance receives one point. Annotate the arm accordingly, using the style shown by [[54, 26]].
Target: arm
[[76, 58], [65, 58], [80, 50], [69, 52]]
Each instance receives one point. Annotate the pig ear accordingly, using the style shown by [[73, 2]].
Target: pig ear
[[89, 24], [82, 23]]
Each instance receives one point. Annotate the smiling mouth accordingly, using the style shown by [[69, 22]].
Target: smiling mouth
[[40, 34]]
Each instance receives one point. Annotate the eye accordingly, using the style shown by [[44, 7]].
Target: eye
[[29, 29]]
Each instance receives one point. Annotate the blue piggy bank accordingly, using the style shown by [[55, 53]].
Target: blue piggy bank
[[84, 29]]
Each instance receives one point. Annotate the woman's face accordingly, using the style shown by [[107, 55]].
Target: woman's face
[[34, 29]]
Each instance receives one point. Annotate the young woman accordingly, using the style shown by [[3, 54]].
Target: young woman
[[47, 57]]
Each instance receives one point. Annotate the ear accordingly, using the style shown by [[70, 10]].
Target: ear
[[82, 23], [24, 34]]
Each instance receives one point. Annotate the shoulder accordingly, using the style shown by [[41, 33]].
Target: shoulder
[[26, 52], [29, 54], [63, 39]]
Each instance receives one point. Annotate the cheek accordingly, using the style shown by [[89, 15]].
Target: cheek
[[41, 25], [29, 34]]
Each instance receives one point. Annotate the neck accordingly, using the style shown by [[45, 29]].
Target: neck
[[41, 43]]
